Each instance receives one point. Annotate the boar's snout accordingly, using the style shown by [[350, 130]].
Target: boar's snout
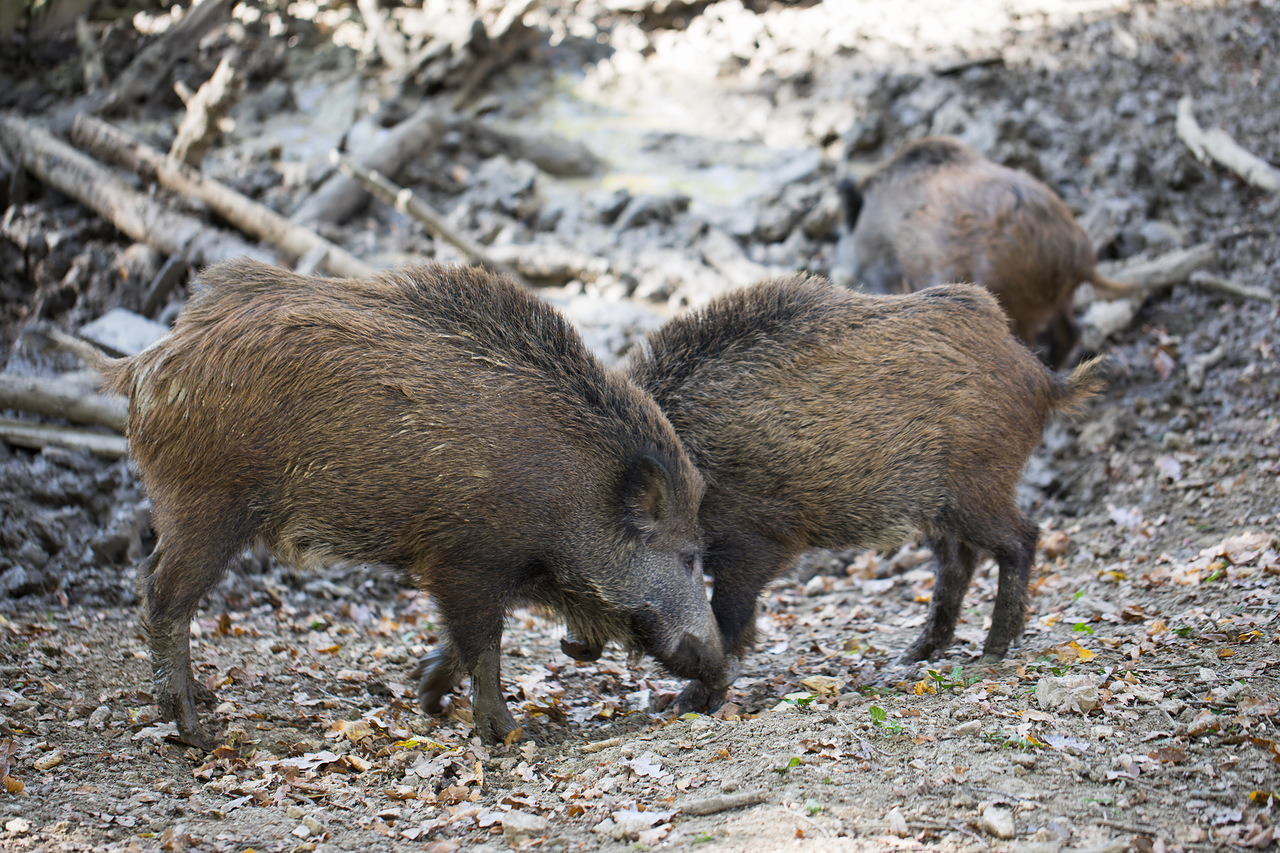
[[688, 644]]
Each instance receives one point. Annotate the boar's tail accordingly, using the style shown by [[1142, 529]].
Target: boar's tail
[[1110, 288], [850, 201], [1085, 382], [113, 370]]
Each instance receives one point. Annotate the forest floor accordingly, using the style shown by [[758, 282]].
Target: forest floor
[[1141, 709]]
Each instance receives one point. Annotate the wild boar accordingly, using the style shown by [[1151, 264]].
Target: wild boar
[[938, 212], [440, 420], [821, 417]]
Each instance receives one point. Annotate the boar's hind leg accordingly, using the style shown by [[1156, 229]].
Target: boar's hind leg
[[955, 564], [437, 672], [1015, 553], [173, 580]]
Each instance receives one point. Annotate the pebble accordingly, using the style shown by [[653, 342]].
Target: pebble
[[17, 826], [998, 821], [517, 826]]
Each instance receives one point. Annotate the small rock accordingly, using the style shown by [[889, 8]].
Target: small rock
[[997, 820], [99, 717], [315, 826], [17, 826], [897, 823], [968, 729], [123, 331], [517, 826]]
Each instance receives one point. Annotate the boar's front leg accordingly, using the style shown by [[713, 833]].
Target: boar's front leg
[[741, 566], [474, 646]]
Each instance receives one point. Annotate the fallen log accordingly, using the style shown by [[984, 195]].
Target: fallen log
[[1217, 145], [58, 165], [406, 202], [339, 197], [256, 220], [39, 436], [61, 397]]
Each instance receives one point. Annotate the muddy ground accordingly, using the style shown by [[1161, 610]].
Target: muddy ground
[[1140, 710]]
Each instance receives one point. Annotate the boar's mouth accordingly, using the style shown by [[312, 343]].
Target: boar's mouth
[[685, 653]]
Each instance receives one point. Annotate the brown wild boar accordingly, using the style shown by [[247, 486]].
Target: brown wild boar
[[440, 420], [821, 417], [938, 212]]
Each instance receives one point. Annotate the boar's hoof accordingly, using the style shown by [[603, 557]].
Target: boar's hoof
[[182, 710], [493, 721], [436, 674], [578, 650], [699, 698], [990, 658]]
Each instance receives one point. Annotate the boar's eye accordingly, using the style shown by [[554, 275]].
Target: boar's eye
[[692, 563]]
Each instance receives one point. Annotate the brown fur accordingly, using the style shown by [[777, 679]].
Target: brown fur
[[825, 418], [938, 212], [441, 420]]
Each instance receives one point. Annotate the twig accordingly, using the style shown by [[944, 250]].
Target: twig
[[1137, 829], [808, 819], [250, 217], [1206, 279], [139, 216], [40, 436], [1216, 144], [600, 745], [205, 109], [62, 398], [339, 197], [1165, 270], [405, 201], [724, 802]]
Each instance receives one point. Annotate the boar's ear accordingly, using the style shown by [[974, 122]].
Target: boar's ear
[[647, 492]]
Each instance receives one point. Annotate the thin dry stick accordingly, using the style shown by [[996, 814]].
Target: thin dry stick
[[250, 217], [600, 745], [1206, 279], [724, 802], [59, 397], [40, 436], [405, 201], [1217, 145]]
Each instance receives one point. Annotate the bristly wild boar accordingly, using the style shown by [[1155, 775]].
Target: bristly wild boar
[[938, 212], [440, 420], [826, 418]]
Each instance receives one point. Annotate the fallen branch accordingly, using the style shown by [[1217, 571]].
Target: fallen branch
[[1164, 270], [62, 398], [339, 197], [39, 436], [1209, 281], [406, 202], [254, 219], [600, 745], [205, 109], [1217, 145], [139, 216], [725, 802]]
